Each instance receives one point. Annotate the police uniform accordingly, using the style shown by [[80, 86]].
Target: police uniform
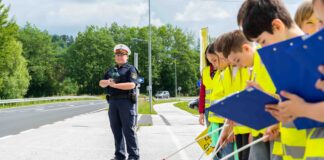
[[122, 113]]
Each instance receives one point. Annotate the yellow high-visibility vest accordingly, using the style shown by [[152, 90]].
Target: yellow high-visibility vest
[[314, 144], [293, 141], [239, 78], [222, 83], [209, 84], [261, 76]]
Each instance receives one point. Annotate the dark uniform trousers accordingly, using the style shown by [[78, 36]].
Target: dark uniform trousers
[[122, 116]]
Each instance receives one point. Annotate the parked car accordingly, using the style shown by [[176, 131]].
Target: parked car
[[162, 94], [193, 104]]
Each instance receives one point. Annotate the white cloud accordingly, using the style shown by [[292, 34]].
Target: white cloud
[[71, 16], [99, 13], [156, 21], [76, 14], [201, 11]]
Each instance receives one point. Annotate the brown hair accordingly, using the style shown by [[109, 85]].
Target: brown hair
[[241, 12], [230, 42], [304, 12], [209, 50], [259, 14]]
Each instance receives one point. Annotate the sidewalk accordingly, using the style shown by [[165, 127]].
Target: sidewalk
[[88, 137], [172, 129]]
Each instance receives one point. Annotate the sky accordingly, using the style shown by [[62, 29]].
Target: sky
[[72, 16]]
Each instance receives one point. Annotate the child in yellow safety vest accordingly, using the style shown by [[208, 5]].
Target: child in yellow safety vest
[[222, 82], [295, 106], [275, 25], [207, 81], [240, 52]]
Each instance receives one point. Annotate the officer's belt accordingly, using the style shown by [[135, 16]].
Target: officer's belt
[[123, 96]]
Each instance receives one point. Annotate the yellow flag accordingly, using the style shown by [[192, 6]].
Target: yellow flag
[[205, 143], [203, 45]]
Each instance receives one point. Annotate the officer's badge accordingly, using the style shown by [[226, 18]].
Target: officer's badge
[[134, 75]]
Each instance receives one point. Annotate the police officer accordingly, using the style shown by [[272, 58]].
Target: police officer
[[120, 82]]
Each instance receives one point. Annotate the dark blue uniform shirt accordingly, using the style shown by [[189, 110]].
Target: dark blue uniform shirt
[[127, 73]]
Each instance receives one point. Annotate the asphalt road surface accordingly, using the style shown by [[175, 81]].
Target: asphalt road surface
[[16, 120]]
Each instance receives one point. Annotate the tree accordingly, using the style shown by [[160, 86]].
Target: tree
[[89, 57], [38, 49], [14, 77], [169, 45]]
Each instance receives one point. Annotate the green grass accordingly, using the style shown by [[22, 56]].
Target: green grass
[[184, 106], [165, 101], [23, 104], [144, 105]]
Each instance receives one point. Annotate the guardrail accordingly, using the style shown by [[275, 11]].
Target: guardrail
[[12, 101]]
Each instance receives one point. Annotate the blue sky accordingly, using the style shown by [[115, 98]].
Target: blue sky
[[71, 16]]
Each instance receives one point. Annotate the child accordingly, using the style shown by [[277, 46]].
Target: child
[[207, 82], [297, 107], [267, 22], [222, 82], [239, 76], [240, 52], [306, 19]]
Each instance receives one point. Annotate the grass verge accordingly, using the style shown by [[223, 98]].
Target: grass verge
[[144, 104], [184, 106]]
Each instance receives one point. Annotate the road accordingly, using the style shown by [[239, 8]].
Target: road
[[88, 136], [16, 120]]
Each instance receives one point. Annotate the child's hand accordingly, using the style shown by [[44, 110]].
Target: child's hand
[[202, 119], [272, 132], [254, 84], [294, 106], [288, 110], [274, 110], [320, 83]]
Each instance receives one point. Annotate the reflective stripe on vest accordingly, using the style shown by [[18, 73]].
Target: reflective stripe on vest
[[293, 152], [207, 81], [315, 145], [209, 91], [207, 103], [293, 141]]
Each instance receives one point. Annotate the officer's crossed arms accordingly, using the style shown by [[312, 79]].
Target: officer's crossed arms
[[122, 86]]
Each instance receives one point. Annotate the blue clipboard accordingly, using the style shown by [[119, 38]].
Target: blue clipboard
[[283, 63], [311, 52], [247, 108], [291, 66]]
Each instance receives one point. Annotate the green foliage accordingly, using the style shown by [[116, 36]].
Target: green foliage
[[89, 57], [14, 77], [69, 87], [170, 45], [38, 49], [61, 64]]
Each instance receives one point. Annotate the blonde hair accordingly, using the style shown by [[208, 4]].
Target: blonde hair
[[304, 12]]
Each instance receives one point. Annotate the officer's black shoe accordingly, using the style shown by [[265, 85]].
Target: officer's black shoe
[[115, 158]]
